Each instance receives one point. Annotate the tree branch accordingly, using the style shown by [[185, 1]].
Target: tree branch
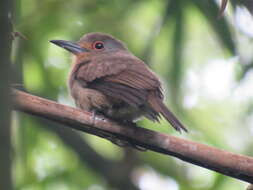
[[227, 163]]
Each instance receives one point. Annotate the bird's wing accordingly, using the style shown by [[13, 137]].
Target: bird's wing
[[130, 72], [136, 76], [129, 81], [96, 69], [124, 78]]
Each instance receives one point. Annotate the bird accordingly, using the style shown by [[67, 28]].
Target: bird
[[106, 78]]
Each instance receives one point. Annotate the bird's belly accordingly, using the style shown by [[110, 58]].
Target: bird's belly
[[89, 99], [93, 100]]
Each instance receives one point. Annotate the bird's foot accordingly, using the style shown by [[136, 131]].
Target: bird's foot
[[95, 115], [93, 112], [114, 139]]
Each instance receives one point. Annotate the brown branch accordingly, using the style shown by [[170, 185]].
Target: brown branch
[[227, 163]]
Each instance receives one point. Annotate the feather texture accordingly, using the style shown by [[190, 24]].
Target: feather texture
[[129, 80], [124, 87]]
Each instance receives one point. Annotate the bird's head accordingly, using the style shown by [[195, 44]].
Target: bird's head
[[92, 43]]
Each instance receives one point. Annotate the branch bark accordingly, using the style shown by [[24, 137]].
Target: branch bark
[[227, 163]]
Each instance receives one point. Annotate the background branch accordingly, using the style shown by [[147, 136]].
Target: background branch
[[120, 171], [230, 164]]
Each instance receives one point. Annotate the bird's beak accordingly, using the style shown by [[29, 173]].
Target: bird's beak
[[70, 46]]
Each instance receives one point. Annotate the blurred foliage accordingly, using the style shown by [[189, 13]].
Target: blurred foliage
[[205, 65]]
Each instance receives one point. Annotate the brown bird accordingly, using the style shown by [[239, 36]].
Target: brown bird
[[108, 79]]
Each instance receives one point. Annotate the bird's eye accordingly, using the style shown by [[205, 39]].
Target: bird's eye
[[98, 45]]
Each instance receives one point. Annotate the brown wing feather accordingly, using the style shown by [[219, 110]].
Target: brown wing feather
[[135, 80], [157, 104], [104, 65], [123, 69], [131, 81], [92, 71], [132, 96]]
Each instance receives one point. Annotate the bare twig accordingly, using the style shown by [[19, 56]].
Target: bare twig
[[227, 163]]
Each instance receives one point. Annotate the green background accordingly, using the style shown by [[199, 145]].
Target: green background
[[204, 64]]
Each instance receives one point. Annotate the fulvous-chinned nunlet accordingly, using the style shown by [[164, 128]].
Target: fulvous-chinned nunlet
[[108, 79]]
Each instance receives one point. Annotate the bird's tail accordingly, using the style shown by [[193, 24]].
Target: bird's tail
[[157, 104]]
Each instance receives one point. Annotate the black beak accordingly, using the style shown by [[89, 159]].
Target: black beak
[[70, 46]]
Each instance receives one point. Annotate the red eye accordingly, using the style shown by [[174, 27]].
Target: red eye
[[98, 45]]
